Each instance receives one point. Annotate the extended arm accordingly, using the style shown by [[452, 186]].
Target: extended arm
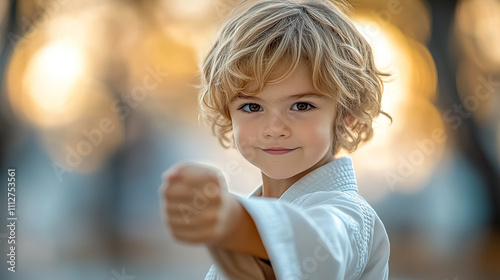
[[242, 236]]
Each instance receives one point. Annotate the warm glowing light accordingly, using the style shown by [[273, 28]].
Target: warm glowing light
[[390, 56], [191, 9], [477, 24], [173, 67], [55, 82], [401, 155], [53, 74]]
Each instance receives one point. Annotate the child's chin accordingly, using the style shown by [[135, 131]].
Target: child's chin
[[277, 175]]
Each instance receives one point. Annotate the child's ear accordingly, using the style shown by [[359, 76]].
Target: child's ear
[[349, 120]]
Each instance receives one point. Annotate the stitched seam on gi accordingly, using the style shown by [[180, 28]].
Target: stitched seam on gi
[[362, 236]]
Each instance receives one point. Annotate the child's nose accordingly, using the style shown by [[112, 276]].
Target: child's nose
[[276, 126]]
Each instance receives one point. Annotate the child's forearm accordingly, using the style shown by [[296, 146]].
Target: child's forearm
[[243, 236]]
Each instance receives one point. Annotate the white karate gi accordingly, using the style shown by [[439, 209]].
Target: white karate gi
[[320, 228]]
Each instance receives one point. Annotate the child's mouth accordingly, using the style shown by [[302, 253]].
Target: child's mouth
[[278, 151]]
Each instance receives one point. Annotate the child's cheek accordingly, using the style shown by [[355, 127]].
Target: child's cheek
[[246, 142], [319, 136]]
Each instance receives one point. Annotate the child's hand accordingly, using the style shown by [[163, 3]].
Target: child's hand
[[197, 205]]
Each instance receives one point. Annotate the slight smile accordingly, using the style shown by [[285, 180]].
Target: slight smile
[[278, 151]]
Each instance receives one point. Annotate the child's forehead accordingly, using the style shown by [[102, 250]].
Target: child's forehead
[[294, 83], [282, 98], [280, 71]]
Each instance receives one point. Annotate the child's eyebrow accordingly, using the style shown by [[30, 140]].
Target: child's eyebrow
[[289, 97]]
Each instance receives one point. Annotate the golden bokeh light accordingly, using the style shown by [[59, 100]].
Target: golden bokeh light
[[88, 143], [52, 75], [41, 78], [391, 55], [177, 60], [57, 82], [424, 72], [413, 17], [174, 67], [477, 23], [401, 155], [416, 144], [46, 90], [187, 9]]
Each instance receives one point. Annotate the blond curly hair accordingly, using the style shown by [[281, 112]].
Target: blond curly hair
[[260, 35]]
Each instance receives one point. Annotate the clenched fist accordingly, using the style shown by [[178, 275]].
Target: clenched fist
[[196, 204]]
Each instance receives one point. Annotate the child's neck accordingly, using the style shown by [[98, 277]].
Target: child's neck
[[276, 187]]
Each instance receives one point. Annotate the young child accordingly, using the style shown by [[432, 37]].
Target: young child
[[306, 220]]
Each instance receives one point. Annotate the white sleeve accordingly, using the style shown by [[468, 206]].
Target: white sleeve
[[329, 236], [317, 242]]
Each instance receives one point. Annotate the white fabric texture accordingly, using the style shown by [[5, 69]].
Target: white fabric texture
[[320, 228]]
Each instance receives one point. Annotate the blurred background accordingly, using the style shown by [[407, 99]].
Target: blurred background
[[98, 98]]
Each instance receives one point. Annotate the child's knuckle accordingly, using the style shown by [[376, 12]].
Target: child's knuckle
[[172, 208], [208, 234], [216, 201], [210, 218], [168, 193]]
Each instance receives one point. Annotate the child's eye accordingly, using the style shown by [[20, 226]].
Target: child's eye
[[253, 107], [302, 106]]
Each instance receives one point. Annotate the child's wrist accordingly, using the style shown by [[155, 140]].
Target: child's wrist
[[232, 220]]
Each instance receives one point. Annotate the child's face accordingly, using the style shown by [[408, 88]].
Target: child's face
[[303, 124]]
